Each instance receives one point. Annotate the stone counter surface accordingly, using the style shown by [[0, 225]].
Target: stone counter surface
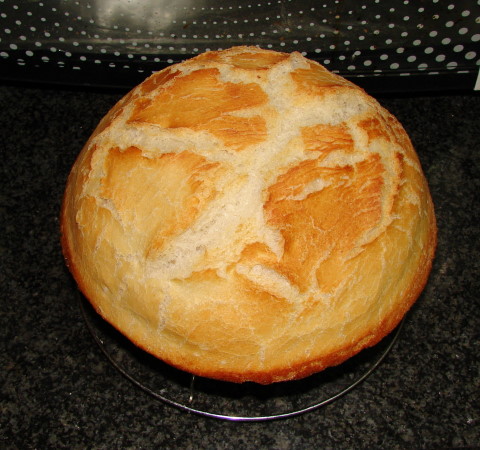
[[59, 391]]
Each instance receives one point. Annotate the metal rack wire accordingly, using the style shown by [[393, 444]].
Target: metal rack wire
[[247, 402]]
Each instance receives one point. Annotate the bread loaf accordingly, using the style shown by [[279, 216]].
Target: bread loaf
[[247, 215]]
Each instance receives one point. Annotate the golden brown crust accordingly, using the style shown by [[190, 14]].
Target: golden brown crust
[[249, 216]]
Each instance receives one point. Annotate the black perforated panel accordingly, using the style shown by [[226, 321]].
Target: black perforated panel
[[120, 42]]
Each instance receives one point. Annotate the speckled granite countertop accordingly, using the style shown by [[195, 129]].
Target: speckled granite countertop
[[58, 390]]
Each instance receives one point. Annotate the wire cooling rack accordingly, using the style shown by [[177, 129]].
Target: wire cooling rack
[[246, 402]]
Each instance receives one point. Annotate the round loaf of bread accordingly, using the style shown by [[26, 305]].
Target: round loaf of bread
[[247, 215]]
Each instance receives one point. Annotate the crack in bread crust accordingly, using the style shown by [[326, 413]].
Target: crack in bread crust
[[248, 215]]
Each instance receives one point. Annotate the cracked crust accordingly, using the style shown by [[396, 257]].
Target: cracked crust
[[249, 216]]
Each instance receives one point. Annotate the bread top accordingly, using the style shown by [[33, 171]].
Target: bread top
[[248, 215]]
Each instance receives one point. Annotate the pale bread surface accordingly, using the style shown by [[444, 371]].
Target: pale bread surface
[[249, 216]]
